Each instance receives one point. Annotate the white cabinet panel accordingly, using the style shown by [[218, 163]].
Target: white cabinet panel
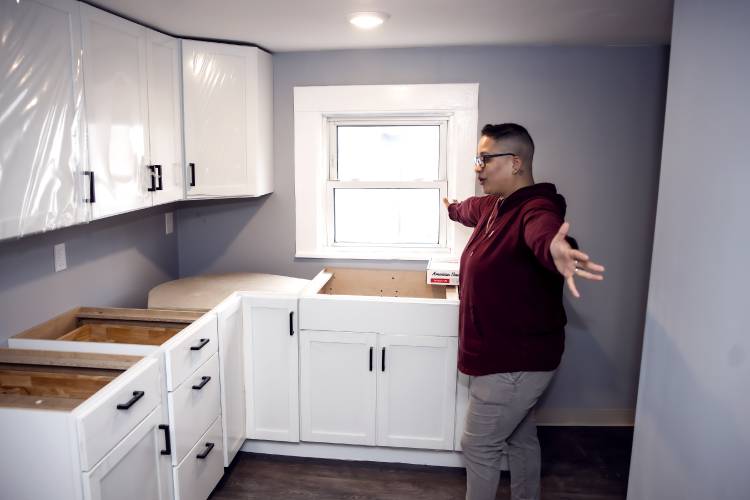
[[337, 387], [229, 314], [193, 407], [417, 391], [136, 468], [202, 468], [108, 416], [228, 119], [41, 114], [185, 352], [165, 117], [271, 367], [114, 68]]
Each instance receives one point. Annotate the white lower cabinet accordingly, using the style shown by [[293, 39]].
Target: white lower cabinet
[[202, 468], [417, 391], [193, 407], [337, 387], [229, 314], [271, 366], [138, 467], [373, 389]]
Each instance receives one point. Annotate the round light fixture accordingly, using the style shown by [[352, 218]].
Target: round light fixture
[[368, 20]]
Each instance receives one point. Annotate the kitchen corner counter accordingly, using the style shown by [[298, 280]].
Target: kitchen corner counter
[[206, 291]]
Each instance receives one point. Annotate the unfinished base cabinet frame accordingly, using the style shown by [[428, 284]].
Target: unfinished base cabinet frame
[[82, 427]]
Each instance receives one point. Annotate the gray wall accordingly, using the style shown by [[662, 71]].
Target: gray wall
[[692, 434], [596, 115], [112, 262]]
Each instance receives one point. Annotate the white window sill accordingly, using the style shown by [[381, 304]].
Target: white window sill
[[375, 253]]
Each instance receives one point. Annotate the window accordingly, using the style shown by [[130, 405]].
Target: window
[[372, 164]]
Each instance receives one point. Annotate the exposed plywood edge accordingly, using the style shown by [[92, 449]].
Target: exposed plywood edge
[[451, 293], [71, 359], [317, 283], [156, 315], [49, 329], [585, 417]]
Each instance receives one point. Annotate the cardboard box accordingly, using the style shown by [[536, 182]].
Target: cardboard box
[[442, 272]]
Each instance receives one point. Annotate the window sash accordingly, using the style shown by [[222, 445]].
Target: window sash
[[442, 186]]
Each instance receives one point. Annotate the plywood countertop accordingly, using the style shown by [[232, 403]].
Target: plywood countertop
[[206, 291]]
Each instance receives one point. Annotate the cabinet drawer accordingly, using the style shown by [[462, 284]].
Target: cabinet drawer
[[194, 406], [110, 414], [195, 477], [185, 352]]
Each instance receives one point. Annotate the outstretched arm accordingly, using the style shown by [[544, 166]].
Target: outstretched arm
[[469, 211]]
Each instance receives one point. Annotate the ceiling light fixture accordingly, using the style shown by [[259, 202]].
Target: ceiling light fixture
[[368, 20]]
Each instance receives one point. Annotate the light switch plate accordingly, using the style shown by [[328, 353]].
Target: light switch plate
[[169, 222], [61, 261]]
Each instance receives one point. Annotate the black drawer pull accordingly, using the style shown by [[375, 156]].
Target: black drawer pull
[[204, 381], [167, 443], [291, 323], [209, 447], [136, 396], [160, 187], [192, 174], [382, 361], [153, 178], [370, 358], [92, 190], [200, 346]]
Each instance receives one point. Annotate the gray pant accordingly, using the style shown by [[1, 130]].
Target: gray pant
[[500, 420]]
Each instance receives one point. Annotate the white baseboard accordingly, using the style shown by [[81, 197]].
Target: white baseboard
[[355, 452]]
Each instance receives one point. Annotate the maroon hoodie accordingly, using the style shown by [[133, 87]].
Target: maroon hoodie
[[511, 316]]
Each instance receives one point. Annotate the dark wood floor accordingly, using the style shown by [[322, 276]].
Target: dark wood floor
[[578, 463]]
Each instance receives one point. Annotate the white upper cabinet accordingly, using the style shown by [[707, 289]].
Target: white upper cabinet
[[131, 78], [114, 69], [165, 117], [41, 115], [228, 101]]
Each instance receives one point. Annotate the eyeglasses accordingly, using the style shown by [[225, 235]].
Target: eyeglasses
[[481, 160]]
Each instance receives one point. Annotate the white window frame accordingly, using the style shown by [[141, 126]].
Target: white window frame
[[317, 111]]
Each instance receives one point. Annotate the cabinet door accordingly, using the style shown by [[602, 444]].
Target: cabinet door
[[40, 117], [232, 376], [165, 116], [114, 73], [271, 367], [135, 468], [416, 391], [228, 119], [337, 387]]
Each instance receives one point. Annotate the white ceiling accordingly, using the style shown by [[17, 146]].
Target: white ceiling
[[291, 25]]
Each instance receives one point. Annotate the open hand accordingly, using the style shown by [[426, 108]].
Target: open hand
[[447, 202], [572, 263]]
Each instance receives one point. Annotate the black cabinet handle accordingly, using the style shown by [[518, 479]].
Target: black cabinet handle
[[209, 447], [370, 358], [153, 178], [291, 323], [382, 360], [92, 190], [160, 187], [204, 381], [136, 396], [200, 346], [167, 443], [192, 173]]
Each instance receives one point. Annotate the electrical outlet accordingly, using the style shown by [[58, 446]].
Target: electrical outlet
[[169, 222], [61, 261]]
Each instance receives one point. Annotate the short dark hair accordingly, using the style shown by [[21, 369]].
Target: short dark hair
[[515, 133]]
